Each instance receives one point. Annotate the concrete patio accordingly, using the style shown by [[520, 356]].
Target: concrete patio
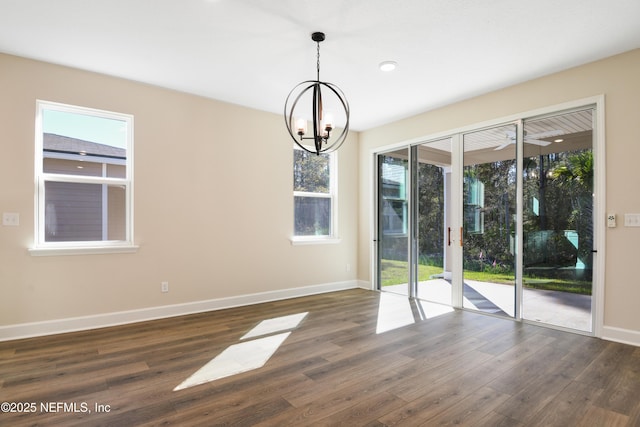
[[556, 308]]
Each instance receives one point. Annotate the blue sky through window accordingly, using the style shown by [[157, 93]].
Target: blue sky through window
[[101, 130]]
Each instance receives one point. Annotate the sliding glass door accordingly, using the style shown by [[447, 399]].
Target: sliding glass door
[[498, 220], [414, 192], [489, 220], [393, 221], [558, 223], [433, 220]]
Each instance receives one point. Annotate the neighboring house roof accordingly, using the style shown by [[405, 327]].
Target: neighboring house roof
[[64, 144], [393, 174]]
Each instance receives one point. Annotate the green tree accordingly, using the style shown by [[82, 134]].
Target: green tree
[[574, 177], [310, 172], [431, 219], [497, 209]]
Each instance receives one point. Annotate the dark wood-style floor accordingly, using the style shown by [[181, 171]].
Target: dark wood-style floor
[[458, 368]]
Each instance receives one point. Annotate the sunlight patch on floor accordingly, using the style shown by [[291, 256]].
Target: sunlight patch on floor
[[247, 355], [236, 359], [431, 310], [396, 311], [271, 326]]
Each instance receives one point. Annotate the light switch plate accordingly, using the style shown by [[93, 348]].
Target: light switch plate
[[632, 220], [11, 219]]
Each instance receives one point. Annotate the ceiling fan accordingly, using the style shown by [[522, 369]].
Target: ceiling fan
[[510, 137]]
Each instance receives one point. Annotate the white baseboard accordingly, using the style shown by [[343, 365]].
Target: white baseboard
[[624, 336], [73, 324], [363, 284]]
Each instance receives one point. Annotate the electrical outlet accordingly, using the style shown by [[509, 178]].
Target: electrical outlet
[[164, 287]]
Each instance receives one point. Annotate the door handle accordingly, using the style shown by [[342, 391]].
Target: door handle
[[448, 236]]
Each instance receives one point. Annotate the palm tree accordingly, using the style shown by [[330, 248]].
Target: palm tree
[[574, 175]]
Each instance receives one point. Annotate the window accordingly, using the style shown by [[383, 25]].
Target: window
[[314, 194], [84, 178]]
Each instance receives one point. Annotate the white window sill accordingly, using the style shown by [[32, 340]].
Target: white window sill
[[312, 240], [79, 250]]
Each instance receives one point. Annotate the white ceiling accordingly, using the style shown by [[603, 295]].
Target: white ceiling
[[252, 52]]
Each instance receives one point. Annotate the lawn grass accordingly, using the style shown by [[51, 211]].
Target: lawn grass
[[397, 272], [574, 286]]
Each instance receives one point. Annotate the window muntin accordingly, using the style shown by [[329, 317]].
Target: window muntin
[[84, 174], [314, 194]]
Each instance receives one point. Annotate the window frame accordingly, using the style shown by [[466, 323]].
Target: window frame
[[40, 245], [333, 236]]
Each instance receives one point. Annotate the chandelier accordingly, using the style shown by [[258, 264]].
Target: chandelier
[[323, 120]]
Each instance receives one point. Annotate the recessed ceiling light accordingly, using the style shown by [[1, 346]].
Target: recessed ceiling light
[[388, 65], [558, 140]]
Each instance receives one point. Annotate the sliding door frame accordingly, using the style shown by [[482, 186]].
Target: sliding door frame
[[597, 102]]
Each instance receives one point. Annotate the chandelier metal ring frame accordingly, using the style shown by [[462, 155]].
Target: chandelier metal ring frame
[[322, 139]]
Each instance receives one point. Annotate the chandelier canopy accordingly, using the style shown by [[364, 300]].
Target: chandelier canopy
[[323, 120]]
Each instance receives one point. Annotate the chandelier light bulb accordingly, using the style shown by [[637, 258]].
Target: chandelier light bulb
[[328, 121], [301, 126]]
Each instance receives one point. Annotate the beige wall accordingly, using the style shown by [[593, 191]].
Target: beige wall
[[618, 79], [213, 203]]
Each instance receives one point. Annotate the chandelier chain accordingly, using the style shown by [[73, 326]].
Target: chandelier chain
[[318, 61]]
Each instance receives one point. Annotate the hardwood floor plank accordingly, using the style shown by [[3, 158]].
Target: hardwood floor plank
[[62, 378], [533, 396], [634, 416], [505, 341], [520, 354], [328, 403], [473, 407], [529, 370], [348, 369], [426, 376], [242, 385], [567, 406], [428, 399], [248, 413], [622, 394], [67, 391], [364, 412], [378, 380], [363, 341], [602, 417], [601, 372], [334, 368], [493, 419]]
